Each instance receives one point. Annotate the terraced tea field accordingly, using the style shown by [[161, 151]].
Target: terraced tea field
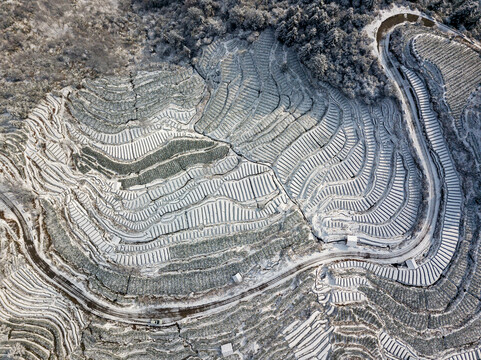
[[238, 208]]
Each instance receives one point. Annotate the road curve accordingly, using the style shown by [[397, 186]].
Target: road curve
[[168, 314]]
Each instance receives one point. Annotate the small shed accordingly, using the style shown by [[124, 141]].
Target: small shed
[[237, 278], [411, 264], [226, 349], [115, 239], [351, 240]]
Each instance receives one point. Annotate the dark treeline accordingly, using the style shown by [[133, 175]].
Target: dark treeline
[[327, 34], [464, 15]]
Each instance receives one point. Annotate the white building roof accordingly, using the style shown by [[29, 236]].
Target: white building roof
[[411, 264], [226, 349], [351, 240], [237, 278]]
